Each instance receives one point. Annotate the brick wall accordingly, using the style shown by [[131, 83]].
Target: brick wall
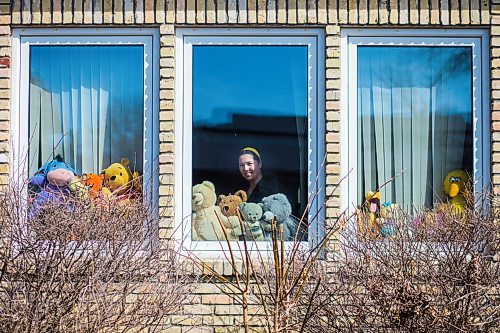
[[212, 307]]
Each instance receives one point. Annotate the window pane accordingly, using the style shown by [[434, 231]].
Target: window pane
[[251, 96], [414, 120], [86, 104]]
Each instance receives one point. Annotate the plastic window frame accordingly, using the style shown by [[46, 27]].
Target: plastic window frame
[[185, 39], [24, 38], [477, 39]]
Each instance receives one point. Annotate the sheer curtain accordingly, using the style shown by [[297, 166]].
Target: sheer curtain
[[86, 104], [414, 120]]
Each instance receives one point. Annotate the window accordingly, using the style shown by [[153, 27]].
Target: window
[[88, 95], [249, 106], [416, 107]]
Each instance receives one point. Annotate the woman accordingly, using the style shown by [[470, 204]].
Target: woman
[[250, 165]]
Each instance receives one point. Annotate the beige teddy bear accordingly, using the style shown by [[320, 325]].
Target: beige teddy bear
[[206, 216]]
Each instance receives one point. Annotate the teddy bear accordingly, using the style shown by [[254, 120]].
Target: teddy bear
[[252, 214], [277, 206], [50, 184], [121, 181], [206, 216], [229, 203]]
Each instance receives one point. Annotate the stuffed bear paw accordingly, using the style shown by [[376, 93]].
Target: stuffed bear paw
[[268, 216]]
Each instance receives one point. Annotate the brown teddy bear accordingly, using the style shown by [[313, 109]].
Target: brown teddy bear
[[229, 203]]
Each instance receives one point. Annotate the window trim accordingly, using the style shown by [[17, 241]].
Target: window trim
[[23, 38], [351, 38], [185, 38]]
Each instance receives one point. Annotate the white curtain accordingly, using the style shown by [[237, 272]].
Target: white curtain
[[414, 120], [86, 104]]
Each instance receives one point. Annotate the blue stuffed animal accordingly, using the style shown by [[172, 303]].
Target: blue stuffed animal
[[277, 206], [51, 183]]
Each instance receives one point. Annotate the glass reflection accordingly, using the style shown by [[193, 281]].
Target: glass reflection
[[414, 121], [250, 127], [86, 104]]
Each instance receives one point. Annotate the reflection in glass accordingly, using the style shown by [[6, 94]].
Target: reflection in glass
[[251, 96], [86, 104], [414, 120]]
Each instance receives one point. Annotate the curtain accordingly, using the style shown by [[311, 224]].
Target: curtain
[[414, 120], [87, 105]]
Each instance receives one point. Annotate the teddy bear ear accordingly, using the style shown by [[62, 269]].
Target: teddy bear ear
[[242, 194], [243, 204], [125, 162], [209, 184], [261, 204]]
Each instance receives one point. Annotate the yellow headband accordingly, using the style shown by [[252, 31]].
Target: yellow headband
[[253, 150]]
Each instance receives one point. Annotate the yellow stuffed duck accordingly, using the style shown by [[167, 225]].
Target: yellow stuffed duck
[[455, 186]]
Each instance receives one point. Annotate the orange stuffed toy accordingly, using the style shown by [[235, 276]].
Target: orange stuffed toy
[[94, 184]]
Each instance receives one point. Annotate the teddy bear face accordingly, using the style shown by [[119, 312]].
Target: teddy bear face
[[229, 203], [117, 178], [251, 212], [203, 196], [279, 205]]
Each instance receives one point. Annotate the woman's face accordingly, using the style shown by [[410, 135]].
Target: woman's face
[[249, 168]]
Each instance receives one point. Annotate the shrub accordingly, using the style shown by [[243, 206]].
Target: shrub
[[79, 266]]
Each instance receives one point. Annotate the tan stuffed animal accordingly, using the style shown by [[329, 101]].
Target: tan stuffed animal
[[229, 203], [206, 216]]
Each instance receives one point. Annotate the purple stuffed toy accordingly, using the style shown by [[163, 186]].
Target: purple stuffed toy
[[51, 182]]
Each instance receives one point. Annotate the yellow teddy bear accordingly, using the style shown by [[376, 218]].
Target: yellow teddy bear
[[120, 180]]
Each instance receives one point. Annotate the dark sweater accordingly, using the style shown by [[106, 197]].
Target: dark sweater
[[261, 190]]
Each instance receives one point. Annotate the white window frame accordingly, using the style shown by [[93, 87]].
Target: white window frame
[[185, 39], [24, 38], [477, 39]]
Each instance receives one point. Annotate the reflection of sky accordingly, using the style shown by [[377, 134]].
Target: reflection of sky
[[445, 69], [256, 80]]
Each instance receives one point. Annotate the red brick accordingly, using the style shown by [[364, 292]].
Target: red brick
[[5, 62]]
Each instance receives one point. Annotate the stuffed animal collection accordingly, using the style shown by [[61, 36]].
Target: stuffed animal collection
[[55, 181], [241, 219], [377, 220]]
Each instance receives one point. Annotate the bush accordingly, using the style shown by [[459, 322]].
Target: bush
[[79, 266], [436, 273]]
